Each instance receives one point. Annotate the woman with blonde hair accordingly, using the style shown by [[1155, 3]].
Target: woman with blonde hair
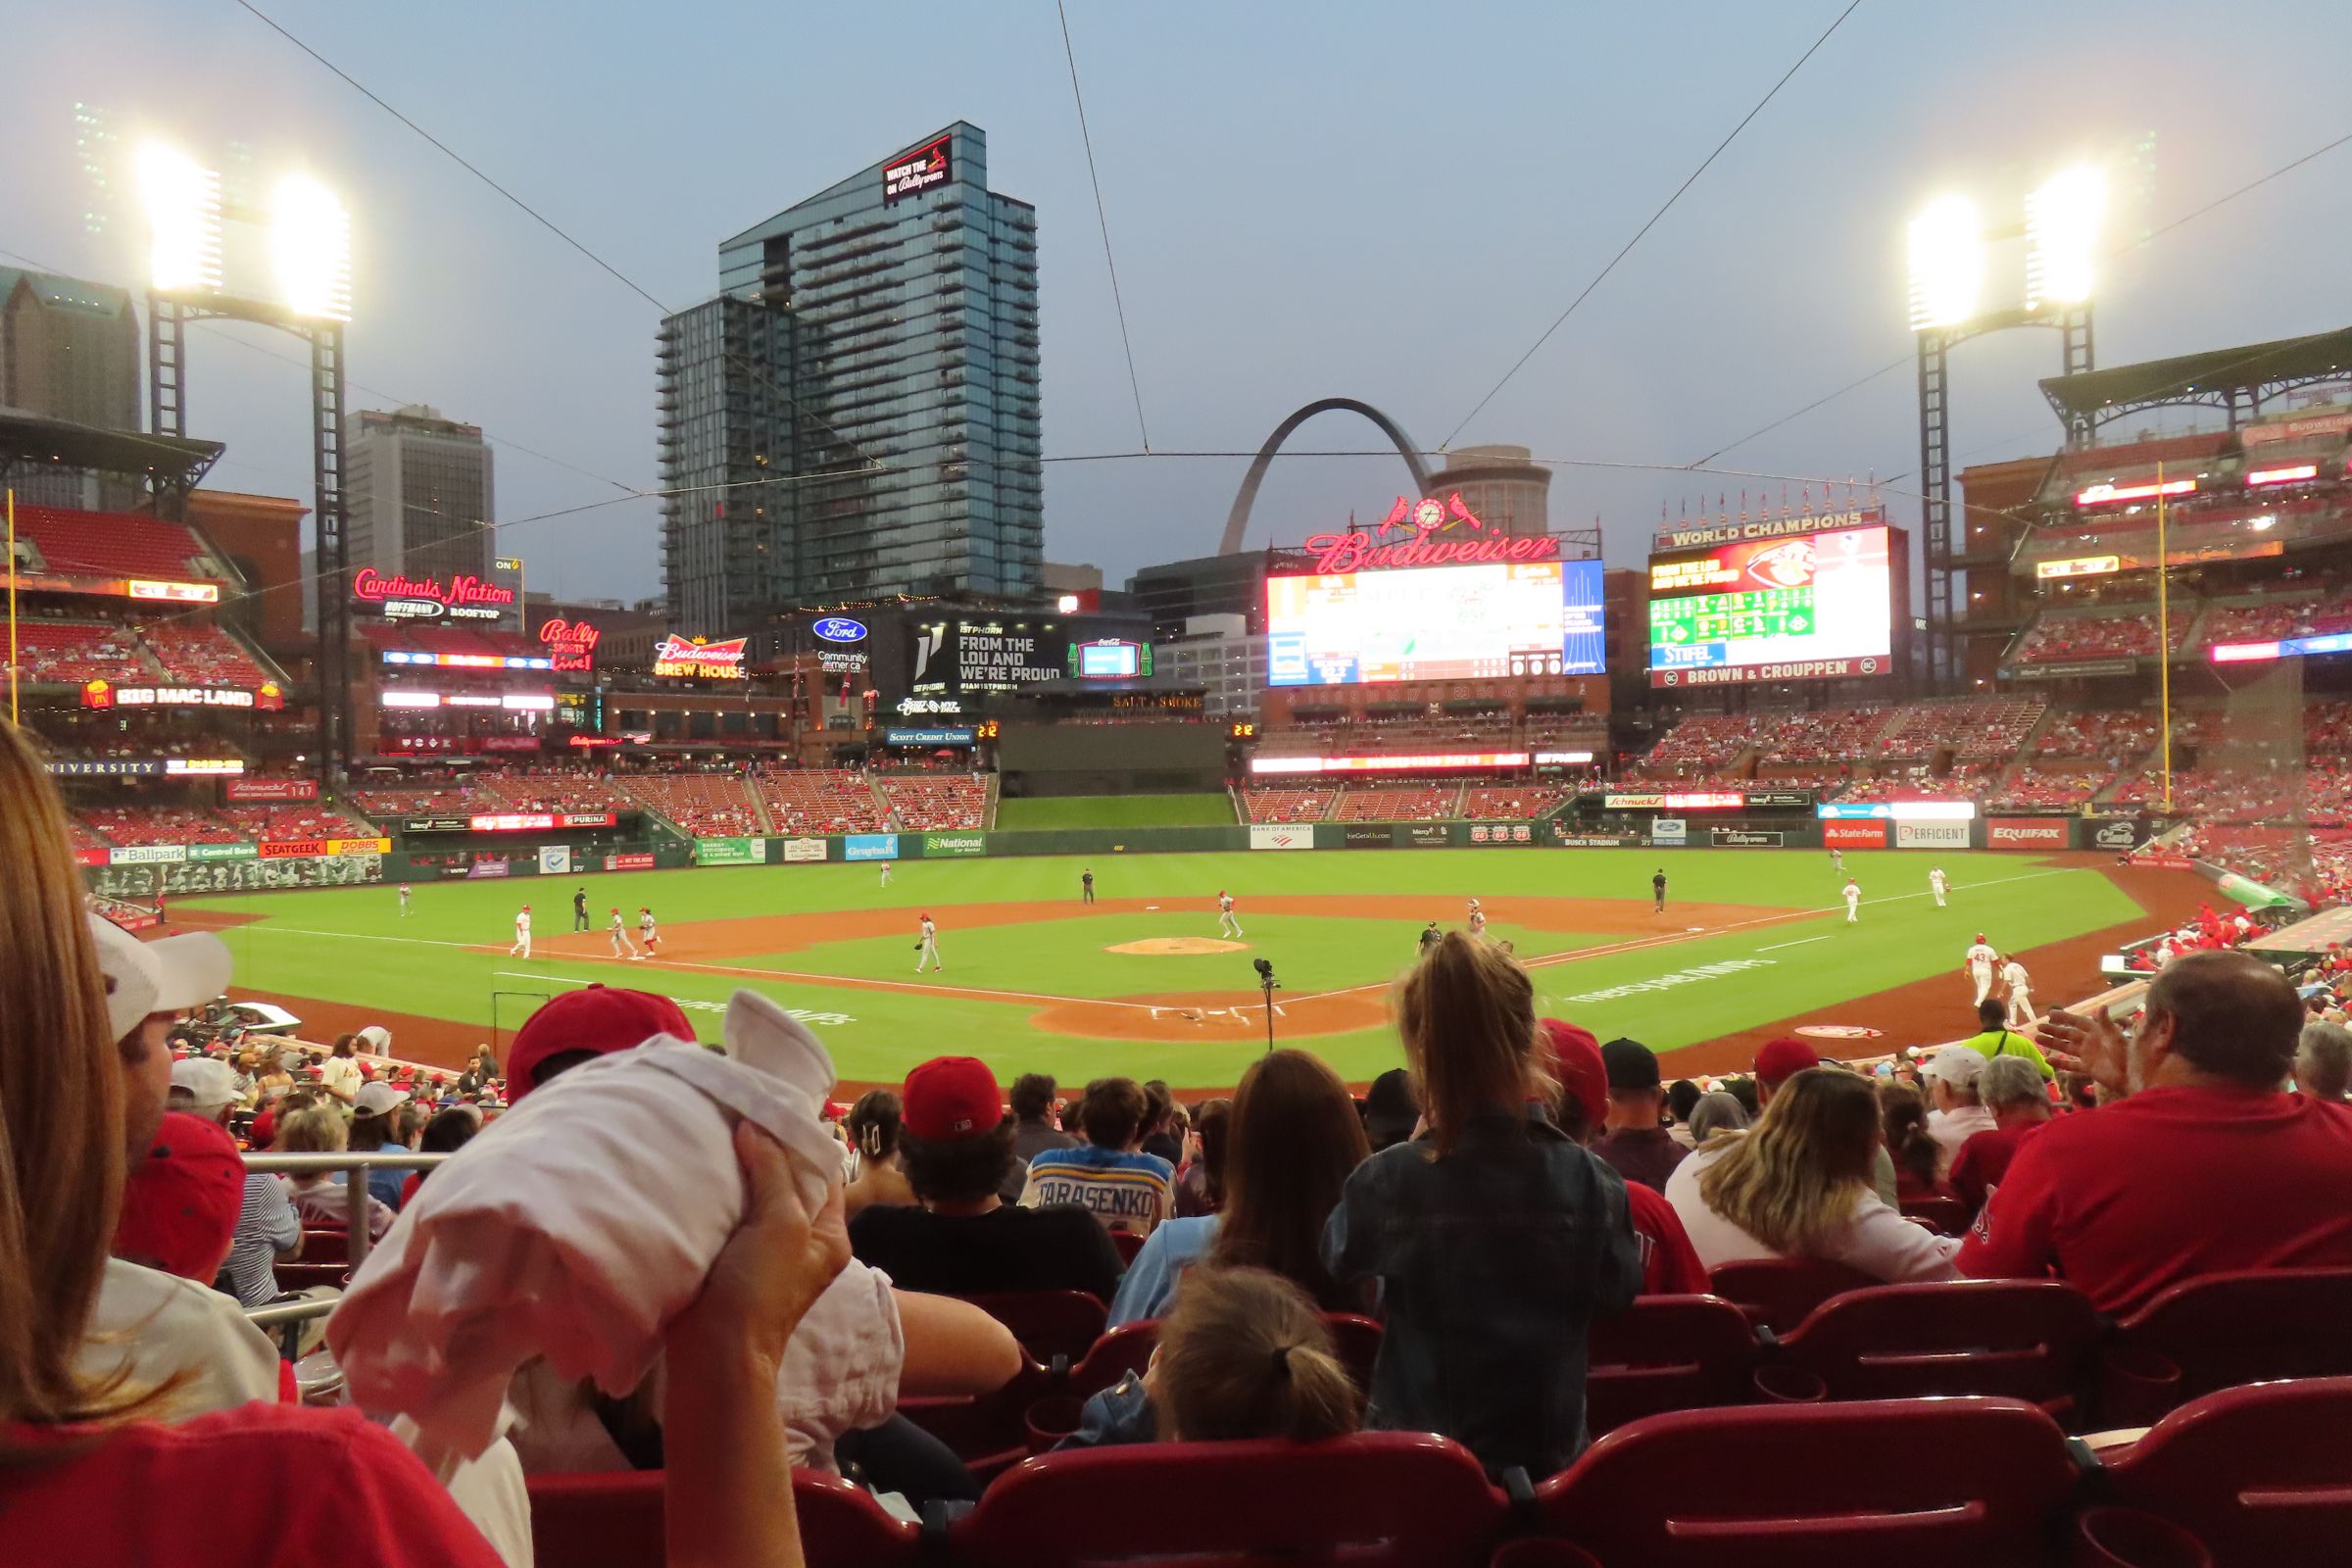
[[86, 1469], [1799, 1186], [1497, 1239], [1244, 1354]]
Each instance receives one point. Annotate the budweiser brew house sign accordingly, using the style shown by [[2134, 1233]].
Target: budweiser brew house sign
[[464, 597]]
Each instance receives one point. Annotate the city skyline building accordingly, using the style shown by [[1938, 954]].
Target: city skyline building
[[68, 349], [1500, 485], [856, 414], [418, 488]]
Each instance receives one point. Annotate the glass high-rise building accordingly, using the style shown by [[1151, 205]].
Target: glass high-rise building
[[856, 414]]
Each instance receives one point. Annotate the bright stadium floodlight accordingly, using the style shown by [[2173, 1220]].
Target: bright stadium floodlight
[[182, 203], [309, 236], [2062, 224], [1947, 262]]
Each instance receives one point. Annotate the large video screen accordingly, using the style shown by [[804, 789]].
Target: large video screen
[[1500, 618], [1815, 604]]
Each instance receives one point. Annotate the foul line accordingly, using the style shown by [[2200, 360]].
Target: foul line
[[1799, 943]]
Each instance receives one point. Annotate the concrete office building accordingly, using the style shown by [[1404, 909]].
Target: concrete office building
[[1223, 658], [856, 414], [1499, 486], [417, 490], [69, 350]]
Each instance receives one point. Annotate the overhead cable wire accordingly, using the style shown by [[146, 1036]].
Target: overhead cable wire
[[1627, 249], [1102, 217]]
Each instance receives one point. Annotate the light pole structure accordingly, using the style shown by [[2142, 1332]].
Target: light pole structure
[[1947, 248]]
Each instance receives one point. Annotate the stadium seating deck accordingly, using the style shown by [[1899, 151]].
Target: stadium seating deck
[[110, 544], [78, 651], [288, 823], [708, 806], [932, 802], [819, 800], [1289, 805]]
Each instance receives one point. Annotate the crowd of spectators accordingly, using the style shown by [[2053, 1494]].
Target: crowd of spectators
[[1281, 805], [2107, 632], [1398, 802], [937, 800]]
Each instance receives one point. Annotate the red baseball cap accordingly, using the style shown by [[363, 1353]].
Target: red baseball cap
[[952, 1098], [1782, 1059], [1576, 1062], [599, 1018], [180, 1203]]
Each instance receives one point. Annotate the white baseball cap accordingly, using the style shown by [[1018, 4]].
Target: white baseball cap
[[209, 1082], [169, 975], [373, 1099], [1957, 1065]]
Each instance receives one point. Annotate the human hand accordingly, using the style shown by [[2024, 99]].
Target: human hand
[[2095, 1043], [771, 1270]]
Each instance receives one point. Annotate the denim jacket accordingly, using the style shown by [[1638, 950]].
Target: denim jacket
[[1493, 1262]]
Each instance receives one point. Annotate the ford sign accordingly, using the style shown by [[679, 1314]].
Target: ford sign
[[840, 629]]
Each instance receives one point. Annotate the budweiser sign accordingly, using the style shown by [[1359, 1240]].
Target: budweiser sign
[[465, 597], [571, 643], [1359, 551], [699, 656]]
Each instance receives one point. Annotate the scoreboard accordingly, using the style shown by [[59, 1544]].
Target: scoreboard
[[1787, 598]]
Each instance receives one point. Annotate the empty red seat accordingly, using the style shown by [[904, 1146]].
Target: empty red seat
[[1666, 1352], [612, 1519], [2034, 1339], [1371, 1500], [325, 1246], [1050, 1324], [1948, 1216], [2225, 1330], [1778, 1291], [1963, 1482], [2261, 1475]]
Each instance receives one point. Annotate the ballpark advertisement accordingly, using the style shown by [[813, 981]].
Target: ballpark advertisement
[[1298, 837], [869, 847], [731, 852]]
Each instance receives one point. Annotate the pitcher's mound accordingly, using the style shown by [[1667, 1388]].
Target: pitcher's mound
[[1180, 947]]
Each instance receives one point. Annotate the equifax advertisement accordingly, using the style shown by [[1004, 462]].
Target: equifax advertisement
[[1822, 597]]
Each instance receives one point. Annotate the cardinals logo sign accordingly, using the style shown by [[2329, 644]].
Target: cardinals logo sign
[[1428, 515], [1788, 564], [700, 657]]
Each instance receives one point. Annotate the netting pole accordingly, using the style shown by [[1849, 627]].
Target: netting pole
[[2164, 642], [11, 604]]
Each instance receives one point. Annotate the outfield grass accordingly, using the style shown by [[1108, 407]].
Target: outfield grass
[[447, 958], [1117, 810]]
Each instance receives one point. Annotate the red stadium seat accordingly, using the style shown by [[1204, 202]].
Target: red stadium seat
[[988, 1431], [325, 1246], [302, 1276], [1128, 1242], [1375, 1498], [1129, 1346], [2224, 1329], [2261, 1475], [1778, 1291], [1050, 1324], [1666, 1352], [614, 1520], [2033, 1339], [1924, 1483]]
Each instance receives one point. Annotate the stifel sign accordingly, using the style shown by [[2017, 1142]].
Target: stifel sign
[[1358, 551]]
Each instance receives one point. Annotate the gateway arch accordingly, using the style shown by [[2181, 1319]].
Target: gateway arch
[[1236, 521]]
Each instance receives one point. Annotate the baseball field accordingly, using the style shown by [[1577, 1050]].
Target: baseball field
[[1750, 941]]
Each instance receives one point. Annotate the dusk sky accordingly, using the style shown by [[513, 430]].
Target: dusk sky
[[1368, 199]]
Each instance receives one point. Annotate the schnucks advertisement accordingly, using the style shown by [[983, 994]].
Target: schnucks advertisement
[[731, 852]]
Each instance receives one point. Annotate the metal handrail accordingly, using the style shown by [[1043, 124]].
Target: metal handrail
[[357, 1238]]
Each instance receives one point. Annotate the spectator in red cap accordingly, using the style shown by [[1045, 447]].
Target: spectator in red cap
[[266, 1228], [2196, 1164], [956, 1145], [578, 1025], [1669, 1264]]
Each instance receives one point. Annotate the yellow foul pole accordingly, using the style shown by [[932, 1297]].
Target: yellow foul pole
[[2163, 641]]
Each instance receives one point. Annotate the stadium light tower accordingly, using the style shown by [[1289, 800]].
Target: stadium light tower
[[305, 233], [1949, 254]]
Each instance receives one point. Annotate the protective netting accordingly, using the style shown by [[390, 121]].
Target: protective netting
[[2251, 785]]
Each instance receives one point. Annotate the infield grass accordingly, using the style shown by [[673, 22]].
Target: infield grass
[[447, 959]]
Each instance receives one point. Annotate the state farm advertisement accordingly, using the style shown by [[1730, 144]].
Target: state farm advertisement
[[1854, 835], [2027, 833]]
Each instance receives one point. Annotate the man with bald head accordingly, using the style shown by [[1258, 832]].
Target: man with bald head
[[2199, 1164]]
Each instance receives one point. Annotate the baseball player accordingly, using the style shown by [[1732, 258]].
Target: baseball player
[[1978, 964], [620, 935], [404, 901], [1853, 900], [522, 934], [647, 933], [2020, 993], [1837, 860], [1086, 885], [1657, 889], [579, 908], [1227, 926], [886, 873], [927, 950], [1939, 884], [1477, 919]]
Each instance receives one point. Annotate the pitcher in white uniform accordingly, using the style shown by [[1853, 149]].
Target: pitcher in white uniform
[[1939, 884], [1227, 926], [522, 934], [2021, 994], [1978, 964], [1853, 900], [927, 950]]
